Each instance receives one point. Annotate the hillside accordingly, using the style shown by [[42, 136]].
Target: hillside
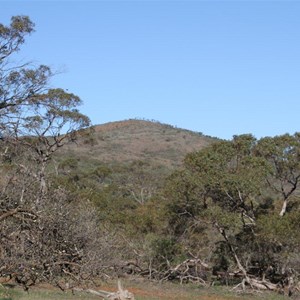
[[130, 140]]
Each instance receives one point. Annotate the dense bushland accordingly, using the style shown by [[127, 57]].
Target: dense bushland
[[229, 214]]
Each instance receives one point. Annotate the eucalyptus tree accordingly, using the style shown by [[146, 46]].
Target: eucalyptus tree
[[32, 115], [240, 199], [35, 121]]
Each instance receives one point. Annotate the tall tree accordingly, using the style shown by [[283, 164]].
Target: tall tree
[[31, 114], [226, 187], [35, 121]]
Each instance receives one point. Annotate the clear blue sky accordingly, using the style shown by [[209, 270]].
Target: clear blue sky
[[218, 67]]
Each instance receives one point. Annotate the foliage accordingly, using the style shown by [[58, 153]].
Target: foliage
[[221, 209], [235, 188]]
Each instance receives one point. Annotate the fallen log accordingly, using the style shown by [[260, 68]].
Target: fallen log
[[189, 270], [121, 294]]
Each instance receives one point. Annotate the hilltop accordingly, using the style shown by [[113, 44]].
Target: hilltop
[[131, 140]]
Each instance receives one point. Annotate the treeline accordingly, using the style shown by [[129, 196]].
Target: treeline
[[229, 215]]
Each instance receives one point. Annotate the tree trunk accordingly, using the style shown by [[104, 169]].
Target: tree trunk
[[42, 182]]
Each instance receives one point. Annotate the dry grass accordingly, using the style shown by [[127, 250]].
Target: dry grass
[[146, 290], [143, 290], [138, 140]]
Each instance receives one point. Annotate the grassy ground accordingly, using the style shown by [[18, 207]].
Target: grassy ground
[[141, 290]]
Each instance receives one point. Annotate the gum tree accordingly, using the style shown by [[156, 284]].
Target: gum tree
[[35, 121], [224, 191], [33, 116]]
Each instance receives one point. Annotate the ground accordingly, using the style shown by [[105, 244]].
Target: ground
[[142, 291]]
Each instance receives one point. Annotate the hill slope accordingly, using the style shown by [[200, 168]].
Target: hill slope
[[130, 140]]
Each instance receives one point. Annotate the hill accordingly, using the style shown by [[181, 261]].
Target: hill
[[131, 140]]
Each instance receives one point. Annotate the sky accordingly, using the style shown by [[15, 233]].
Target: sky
[[218, 67]]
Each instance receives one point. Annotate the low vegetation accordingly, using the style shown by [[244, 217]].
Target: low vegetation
[[142, 291]]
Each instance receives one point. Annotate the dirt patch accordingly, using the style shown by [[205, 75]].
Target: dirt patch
[[150, 291]]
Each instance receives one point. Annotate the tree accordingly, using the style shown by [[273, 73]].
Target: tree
[[39, 236], [32, 115], [231, 188], [18, 82]]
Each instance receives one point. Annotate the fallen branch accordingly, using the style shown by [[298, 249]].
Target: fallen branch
[[252, 282], [189, 270], [121, 294]]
